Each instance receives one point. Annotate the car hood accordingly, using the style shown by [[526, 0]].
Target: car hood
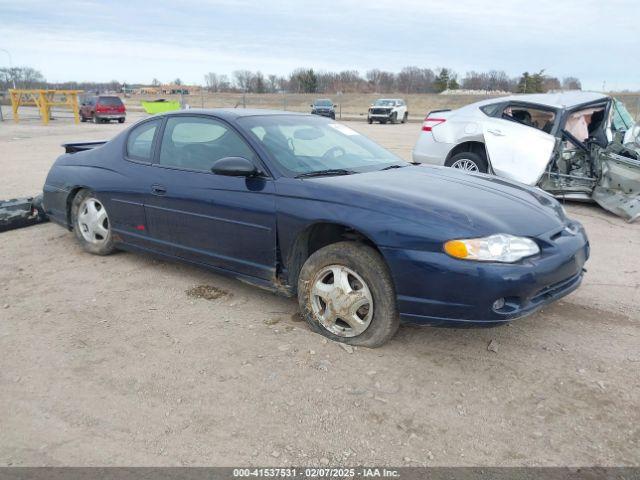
[[474, 203]]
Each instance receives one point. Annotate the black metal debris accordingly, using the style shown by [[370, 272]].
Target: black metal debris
[[21, 212]]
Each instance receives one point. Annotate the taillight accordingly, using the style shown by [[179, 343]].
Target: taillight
[[429, 123]]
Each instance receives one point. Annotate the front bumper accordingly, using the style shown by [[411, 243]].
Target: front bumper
[[323, 113], [435, 289], [379, 116]]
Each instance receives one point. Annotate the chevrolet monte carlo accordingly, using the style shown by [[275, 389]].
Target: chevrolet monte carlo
[[304, 205]]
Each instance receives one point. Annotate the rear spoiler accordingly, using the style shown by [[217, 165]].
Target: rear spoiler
[[438, 111], [81, 146]]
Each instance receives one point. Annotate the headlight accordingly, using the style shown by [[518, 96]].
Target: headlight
[[494, 248]]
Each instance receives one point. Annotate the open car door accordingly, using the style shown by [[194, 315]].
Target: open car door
[[517, 151]]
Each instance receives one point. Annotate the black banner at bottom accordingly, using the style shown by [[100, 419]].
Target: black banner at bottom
[[320, 473]]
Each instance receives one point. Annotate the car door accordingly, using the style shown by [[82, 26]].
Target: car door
[[125, 199], [221, 221], [517, 151]]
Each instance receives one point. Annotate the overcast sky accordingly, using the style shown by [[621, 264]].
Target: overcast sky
[[134, 41]]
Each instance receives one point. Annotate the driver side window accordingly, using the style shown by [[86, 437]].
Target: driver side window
[[196, 143]]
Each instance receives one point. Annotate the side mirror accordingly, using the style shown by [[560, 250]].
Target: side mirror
[[235, 167], [311, 105], [335, 105]]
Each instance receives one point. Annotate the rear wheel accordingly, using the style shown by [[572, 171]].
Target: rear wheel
[[91, 223], [346, 293], [468, 161]]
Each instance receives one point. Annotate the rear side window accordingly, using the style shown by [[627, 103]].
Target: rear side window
[[140, 141], [491, 109], [537, 118], [195, 143], [110, 101]]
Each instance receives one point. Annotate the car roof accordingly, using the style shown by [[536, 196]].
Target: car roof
[[566, 99], [233, 113]]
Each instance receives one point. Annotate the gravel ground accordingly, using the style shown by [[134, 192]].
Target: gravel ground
[[129, 360]]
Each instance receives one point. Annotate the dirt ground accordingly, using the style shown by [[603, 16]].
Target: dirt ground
[[122, 361]]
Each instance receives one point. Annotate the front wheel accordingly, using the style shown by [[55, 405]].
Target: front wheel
[[468, 161], [404, 117], [121, 120], [346, 293], [91, 223], [95, 119], [369, 120], [394, 117]]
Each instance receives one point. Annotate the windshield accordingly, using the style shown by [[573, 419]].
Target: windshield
[[622, 119], [303, 145], [385, 103], [323, 103]]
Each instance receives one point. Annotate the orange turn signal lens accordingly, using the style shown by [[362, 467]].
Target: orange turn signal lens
[[456, 248]]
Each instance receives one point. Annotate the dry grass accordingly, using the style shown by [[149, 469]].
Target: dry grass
[[352, 105]]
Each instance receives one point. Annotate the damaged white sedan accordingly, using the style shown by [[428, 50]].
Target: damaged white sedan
[[575, 145]]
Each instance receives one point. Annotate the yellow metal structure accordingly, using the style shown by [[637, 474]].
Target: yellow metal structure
[[44, 100]]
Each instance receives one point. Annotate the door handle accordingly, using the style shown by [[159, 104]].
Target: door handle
[[496, 132], [158, 189]]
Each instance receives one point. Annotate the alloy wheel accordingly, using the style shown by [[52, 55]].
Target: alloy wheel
[[466, 165]]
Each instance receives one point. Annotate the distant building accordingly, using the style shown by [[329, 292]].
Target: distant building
[[170, 89]]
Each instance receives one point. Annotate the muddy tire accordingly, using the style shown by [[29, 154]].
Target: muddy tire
[[346, 293], [91, 223]]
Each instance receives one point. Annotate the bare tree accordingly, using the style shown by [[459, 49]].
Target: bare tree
[[571, 83], [23, 77], [212, 81], [242, 79]]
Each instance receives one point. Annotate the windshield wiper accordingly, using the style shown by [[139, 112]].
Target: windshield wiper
[[390, 167], [328, 171]]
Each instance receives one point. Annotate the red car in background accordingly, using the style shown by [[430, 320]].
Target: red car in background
[[102, 108]]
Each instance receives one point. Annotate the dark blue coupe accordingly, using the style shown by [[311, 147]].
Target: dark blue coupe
[[308, 206]]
